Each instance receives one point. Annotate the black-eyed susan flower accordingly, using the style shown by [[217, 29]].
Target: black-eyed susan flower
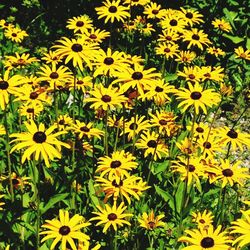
[[111, 216], [173, 22], [64, 122], [95, 35], [190, 170], [4, 24], [215, 51], [221, 24], [76, 50], [112, 11], [114, 121], [57, 77], [185, 56], [31, 80], [229, 173], [31, 110], [191, 16], [136, 2], [150, 221], [8, 85], [86, 130], [39, 142], [135, 125], [169, 36], [197, 97], [211, 239], [2, 130], [17, 181], [241, 227], [51, 58], [109, 63], [119, 164], [83, 83], [212, 73], [191, 73], [241, 53], [15, 34], [153, 10], [137, 77], [195, 37], [152, 145], [79, 24], [166, 49], [200, 129], [186, 146], [18, 61], [233, 136], [106, 98], [65, 229], [117, 187], [1, 203], [203, 220], [165, 121], [133, 59]]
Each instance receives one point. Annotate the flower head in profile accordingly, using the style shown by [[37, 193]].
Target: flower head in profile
[[39, 142], [210, 239], [185, 57], [241, 227], [150, 221], [65, 229], [215, 51], [222, 25], [106, 98], [196, 97], [111, 216], [112, 11], [241, 53]]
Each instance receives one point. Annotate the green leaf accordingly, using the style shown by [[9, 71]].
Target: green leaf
[[165, 196], [231, 15], [92, 193], [171, 77], [248, 43], [179, 196], [234, 39], [55, 199]]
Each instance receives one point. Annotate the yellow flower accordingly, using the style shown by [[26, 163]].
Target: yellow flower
[[106, 98], [111, 216], [195, 37], [203, 220], [191, 16], [197, 97], [173, 22], [166, 49], [1, 203], [80, 24], [221, 24], [241, 53], [192, 73], [15, 34], [215, 51], [185, 56], [169, 36], [39, 142], [95, 35], [112, 10], [153, 10], [150, 221], [210, 239], [51, 57], [2, 130], [65, 229]]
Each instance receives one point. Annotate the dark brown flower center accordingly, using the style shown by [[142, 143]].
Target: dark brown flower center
[[30, 110], [151, 224], [92, 36], [199, 130], [207, 75], [158, 89], [4, 85], [207, 145], [173, 22], [33, 95], [191, 168], [85, 129], [79, 82], [64, 230], [163, 122], [169, 38], [39, 137], [15, 181], [112, 9], [14, 34], [232, 134], [195, 37], [106, 98], [201, 221], [152, 144], [61, 122], [189, 15], [115, 184], [79, 23], [76, 47], [195, 95], [108, 60], [112, 216], [54, 75], [227, 172], [155, 12], [207, 242], [137, 75], [167, 50], [191, 76], [133, 126], [115, 164]]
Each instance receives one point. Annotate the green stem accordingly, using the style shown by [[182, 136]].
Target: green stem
[[106, 134], [116, 137]]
